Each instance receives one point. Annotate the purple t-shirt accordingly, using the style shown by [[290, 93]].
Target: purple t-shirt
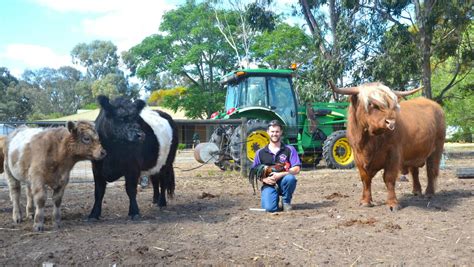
[[287, 153]]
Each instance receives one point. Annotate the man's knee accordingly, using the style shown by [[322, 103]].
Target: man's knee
[[289, 179]]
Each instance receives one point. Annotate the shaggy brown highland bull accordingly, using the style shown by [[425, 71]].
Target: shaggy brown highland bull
[[392, 136]]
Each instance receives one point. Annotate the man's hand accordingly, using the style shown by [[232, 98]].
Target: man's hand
[[270, 180], [278, 175]]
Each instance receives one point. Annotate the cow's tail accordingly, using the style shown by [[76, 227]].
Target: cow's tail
[[2, 153]]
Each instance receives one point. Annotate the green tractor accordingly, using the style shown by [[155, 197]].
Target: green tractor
[[317, 130]]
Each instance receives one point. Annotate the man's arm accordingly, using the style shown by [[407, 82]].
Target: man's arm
[[279, 175], [295, 168]]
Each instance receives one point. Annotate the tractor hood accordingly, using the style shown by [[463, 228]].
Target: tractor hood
[[251, 112]]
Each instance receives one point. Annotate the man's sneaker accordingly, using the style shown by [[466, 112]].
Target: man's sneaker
[[287, 207]]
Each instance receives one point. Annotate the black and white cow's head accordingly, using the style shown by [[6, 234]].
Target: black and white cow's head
[[120, 120]]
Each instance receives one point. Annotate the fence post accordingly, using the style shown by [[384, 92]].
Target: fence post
[[243, 151]]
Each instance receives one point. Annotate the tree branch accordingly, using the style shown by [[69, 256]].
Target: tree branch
[[451, 84]]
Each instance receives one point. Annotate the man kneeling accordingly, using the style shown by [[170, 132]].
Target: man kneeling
[[278, 183]]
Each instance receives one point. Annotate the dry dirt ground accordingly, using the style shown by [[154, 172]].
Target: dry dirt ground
[[209, 222]]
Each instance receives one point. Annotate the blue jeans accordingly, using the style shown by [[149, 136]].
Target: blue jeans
[[270, 194]]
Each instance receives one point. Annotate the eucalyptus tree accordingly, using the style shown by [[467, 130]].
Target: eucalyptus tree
[[14, 99], [56, 91], [241, 22], [101, 60], [98, 57], [190, 46], [342, 34]]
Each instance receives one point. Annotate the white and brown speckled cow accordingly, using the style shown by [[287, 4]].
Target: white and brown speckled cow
[[42, 157]]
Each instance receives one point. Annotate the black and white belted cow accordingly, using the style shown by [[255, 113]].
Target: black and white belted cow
[[139, 141]]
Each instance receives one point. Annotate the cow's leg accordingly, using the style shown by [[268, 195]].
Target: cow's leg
[[131, 182], [163, 176], [15, 191], [432, 170], [403, 176], [167, 184], [39, 197], [416, 181], [57, 199], [389, 177], [30, 207], [366, 200], [155, 180], [99, 191]]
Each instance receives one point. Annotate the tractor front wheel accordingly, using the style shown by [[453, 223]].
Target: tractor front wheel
[[337, 151], [256, 137]]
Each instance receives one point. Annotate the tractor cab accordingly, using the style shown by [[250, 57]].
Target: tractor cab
[[261, 93]]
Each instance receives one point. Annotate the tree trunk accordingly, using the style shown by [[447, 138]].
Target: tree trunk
[[314, 27], [423, 14], [426, 63]]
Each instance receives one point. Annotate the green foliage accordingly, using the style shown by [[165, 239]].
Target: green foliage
[[91, 106], [200, 103], [283, 46], [6, 79], [181, 146], [191, 47], [113, 85], [61, 91], [397, 61], [458, 103], [99, 57], [15, 104], [260, 17]]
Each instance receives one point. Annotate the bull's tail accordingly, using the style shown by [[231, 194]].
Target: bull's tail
[[2, 153]]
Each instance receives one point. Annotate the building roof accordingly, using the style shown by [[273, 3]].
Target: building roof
[[91, 115]]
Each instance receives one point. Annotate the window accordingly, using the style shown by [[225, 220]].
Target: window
[[256, 94], [282, 99], [232, 95]]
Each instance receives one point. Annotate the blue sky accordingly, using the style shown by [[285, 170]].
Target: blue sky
[[42, 33]]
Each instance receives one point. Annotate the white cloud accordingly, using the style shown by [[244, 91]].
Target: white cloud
[[33, 56], [83, 5], [125, 23]]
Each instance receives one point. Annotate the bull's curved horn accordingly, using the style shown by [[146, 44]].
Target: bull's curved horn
[[344, 91], [407, 93]]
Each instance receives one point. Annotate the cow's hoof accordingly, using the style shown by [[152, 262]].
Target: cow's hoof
[[366, 204], [417, 193], [429, 195], [135, 217], [395, 207], [38, 227], [92, 219], [17, 218]]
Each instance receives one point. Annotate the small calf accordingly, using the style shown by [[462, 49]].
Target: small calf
[[43, 157]]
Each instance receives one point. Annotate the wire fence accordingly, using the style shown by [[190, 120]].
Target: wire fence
[[187, 129]]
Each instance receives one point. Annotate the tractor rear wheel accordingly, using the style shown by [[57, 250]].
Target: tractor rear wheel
[[256, 137], [337, 151]]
